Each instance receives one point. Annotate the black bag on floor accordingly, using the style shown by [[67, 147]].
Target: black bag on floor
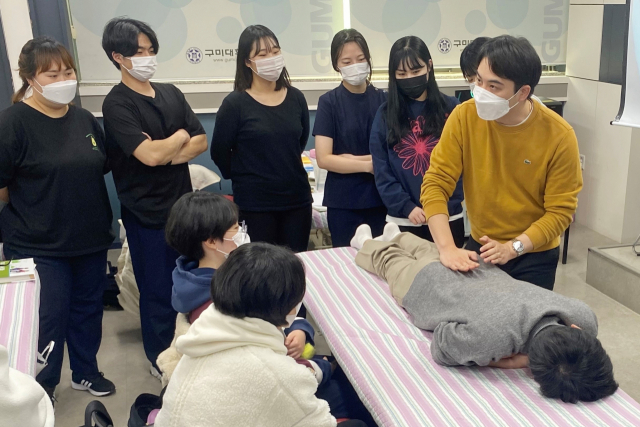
[[111, 291], [96, 415], [142, 407]]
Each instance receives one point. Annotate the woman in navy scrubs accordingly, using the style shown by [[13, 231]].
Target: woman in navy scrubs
[[342, 129]]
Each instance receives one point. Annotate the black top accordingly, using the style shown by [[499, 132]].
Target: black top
[[148, 192], [347, 118], [258, 147], [54, 170]]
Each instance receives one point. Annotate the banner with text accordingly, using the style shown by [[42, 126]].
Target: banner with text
[[447, 26], [199, 38]]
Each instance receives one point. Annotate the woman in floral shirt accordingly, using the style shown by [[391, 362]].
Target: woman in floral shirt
[[405, 131]]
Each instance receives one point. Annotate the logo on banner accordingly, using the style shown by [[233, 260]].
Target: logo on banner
[[444, 45], [194, 55]]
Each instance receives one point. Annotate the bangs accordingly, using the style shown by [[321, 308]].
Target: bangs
[[266, 42], [50, 56], [408, 59]]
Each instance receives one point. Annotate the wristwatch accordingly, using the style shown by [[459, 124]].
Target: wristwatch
[[517, 246]]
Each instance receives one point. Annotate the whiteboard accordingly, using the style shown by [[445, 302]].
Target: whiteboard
[[198, 38]]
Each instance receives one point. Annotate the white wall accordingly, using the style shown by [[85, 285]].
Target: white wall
[[16, 23], [610, 200]]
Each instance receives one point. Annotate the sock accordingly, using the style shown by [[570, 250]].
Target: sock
[[363, 233], [391, 230]]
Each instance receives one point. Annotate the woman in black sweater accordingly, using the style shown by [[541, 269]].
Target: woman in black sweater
[[260, 132]]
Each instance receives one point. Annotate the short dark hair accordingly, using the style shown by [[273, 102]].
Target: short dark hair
[[197, 217], [513, 58], [343, 37], [120, 35], [470, 57], [259, 280], [570, 364], [252, 37]]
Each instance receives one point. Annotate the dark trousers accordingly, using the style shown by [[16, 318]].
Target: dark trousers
[[457, 229], [153, 262], [71, 291], [538, 268], [343, 400], [289, 228], [343, 223]]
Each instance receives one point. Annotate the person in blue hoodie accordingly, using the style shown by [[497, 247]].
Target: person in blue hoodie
[[203, 228], [405, 131]]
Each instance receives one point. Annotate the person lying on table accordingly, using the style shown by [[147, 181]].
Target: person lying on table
[[485, 317]]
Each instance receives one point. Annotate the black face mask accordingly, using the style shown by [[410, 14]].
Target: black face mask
[[413, 87]]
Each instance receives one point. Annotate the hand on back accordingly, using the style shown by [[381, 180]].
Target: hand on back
[[459, 259]]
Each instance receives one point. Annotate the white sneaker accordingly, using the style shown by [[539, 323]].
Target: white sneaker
[[153, 371], [363, 233]]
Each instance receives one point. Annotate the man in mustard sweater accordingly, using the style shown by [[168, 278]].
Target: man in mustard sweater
[[520, 167]]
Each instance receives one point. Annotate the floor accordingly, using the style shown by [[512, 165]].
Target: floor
[[122, 359]]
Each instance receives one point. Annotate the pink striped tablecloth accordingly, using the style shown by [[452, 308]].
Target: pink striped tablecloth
[[389, 363], [19, 303], [319, 220]]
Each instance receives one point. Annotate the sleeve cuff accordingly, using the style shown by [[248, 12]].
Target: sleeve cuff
[[537, 236], [408, 207], [436, 208]]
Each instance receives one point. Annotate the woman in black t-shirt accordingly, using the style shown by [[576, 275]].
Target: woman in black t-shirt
[[52, 166], [260, 132]]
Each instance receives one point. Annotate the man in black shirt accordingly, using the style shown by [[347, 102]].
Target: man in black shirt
[[151, 135]]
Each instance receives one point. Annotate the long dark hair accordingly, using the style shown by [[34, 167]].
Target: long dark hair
[[254, 36], [38, 55], [408, 51]]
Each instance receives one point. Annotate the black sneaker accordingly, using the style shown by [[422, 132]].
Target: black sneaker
[[97, 384]]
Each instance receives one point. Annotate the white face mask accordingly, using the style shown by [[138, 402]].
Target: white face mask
[[269, 68], [58, 92], [472, 86], [355, 74], [240, 238], [143, 67], [292, 317], [491, 106]]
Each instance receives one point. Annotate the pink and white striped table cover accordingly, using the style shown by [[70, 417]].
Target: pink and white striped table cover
[[319, 220], [389, 363], [19, 305]]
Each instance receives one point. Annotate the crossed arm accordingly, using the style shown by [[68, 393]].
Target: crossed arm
[[178, 148]]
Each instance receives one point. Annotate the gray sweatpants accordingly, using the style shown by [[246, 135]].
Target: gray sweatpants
[[398, 261]]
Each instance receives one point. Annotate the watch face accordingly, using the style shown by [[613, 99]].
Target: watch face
[[518, 246]]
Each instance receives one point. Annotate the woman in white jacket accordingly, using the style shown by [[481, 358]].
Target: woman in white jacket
[[235, 370]]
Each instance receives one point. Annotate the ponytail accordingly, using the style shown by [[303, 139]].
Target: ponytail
[[36, 56]]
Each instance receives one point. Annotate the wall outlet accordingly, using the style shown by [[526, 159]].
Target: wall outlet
[[582, 160]]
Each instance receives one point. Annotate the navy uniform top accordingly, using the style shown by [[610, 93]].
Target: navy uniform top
[[347, 118]]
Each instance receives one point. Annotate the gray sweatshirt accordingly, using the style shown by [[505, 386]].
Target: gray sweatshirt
[[485, 315]]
